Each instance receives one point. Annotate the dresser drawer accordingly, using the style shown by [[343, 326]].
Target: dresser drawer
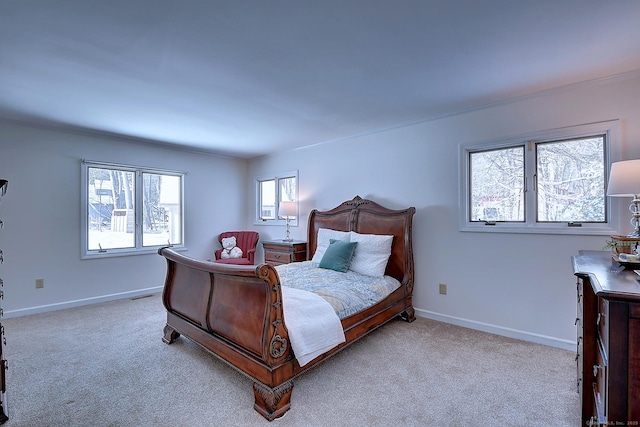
[[579, 298], [600, 372], [276, 257], [598, 418], [602, 320], [279, 252], [600, 385], [579, 291], [579, 364]]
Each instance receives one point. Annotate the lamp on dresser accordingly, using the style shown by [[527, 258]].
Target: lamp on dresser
[[288, 210], [624, 181]]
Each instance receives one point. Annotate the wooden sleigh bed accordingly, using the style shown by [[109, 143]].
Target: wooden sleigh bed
[[236, 313]]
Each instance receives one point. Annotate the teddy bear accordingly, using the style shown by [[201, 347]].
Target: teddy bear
[[229, 248]]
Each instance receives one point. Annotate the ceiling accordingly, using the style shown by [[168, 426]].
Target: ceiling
[[253, 77]]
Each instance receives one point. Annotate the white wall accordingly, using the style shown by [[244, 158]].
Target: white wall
[[41, 212], [517, 285], [514, 284]]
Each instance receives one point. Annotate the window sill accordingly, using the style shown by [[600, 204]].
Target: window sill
[[561, 229], [274, 222], [110, 253]]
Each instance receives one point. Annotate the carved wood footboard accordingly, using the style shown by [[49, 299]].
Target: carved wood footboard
[[235, 312]]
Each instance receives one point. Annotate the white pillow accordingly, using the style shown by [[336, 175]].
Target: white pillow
[[372, 254], [323, 241]]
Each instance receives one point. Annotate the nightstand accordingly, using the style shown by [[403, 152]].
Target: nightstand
[[278, 252]]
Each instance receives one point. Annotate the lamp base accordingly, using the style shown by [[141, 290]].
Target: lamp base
[[634, 208], [288, 236]]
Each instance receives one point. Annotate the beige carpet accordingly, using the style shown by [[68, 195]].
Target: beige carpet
[[105, 365]]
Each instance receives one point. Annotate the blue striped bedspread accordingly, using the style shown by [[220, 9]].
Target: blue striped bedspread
[[348, 293]]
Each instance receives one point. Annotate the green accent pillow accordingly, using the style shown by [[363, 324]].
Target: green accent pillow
[[338, 255]]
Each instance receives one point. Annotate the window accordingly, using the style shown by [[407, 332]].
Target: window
[[550, 182], [127, 209], [497, 184], [270, 192]]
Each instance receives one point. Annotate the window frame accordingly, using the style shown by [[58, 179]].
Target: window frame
[[278, 220], [138, 249], [609, 128]]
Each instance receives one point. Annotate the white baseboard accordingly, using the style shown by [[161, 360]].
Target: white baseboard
[[499, 330], [77, 303]]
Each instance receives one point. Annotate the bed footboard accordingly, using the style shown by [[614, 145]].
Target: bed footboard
[[235, 312]]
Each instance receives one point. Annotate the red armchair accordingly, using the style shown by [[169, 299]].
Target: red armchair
[[245, 240]]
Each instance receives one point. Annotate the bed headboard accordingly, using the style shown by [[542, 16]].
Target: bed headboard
[[367, 217]]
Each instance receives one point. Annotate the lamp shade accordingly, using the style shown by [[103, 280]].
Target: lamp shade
[[624, 179], [288, 209]]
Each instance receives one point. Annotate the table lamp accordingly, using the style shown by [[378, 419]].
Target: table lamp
[[287, 210], [624, 181]]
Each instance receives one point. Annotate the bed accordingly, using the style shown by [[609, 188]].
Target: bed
[[236, 312]]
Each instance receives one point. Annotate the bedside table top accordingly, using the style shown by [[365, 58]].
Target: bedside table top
[[284, 242]]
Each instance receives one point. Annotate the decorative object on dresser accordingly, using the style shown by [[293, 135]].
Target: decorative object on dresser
[[623, 244], [245, 240], [625, 251], [3, 363], [278, 252], [624, 181], [608, 340], [237, 314], [288, 210]]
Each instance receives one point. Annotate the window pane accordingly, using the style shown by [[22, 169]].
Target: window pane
[[162, 209], [571, 180], [268, 199], [111, 215], [288, 189], [497, 185]]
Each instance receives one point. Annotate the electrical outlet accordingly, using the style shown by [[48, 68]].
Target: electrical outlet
[[443, 289], [39, 283]]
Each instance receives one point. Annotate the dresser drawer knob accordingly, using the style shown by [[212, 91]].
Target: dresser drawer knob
[[577, 320], [596, 368]]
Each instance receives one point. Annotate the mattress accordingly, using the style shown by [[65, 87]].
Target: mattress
[[348, 293]]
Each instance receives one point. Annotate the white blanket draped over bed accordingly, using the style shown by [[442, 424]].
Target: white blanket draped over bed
[[312, 323], [315, 299]]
